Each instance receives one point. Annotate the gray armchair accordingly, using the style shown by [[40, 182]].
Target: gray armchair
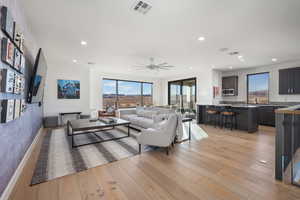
[[162, 136]]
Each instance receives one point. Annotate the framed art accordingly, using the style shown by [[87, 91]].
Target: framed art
[[7, 22], [68, 89], [8, 52], [22, 64], [7, 78], [17, 60], [18, 37], [7, 110], [17, 108], [16, 84]]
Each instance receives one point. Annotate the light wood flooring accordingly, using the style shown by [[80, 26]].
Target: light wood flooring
[[226, 165]]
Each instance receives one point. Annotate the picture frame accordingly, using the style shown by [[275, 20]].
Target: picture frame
[[23, 107], [7, 22], [17, 59], [22, 64], [7, 110], [68, 89], [17, 108], [18, 37], [7, 52], [7, 79]]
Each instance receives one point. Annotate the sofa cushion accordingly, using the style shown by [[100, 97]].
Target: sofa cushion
[[127, 117], [145, 122], [160, 117], [146, 113]]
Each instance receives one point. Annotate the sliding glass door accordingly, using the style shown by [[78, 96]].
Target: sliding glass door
[[182, 94]]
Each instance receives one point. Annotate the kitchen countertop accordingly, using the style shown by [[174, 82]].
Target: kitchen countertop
[[233, 105], [289, 110]]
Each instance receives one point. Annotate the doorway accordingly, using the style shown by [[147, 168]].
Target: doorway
[[182, 94]]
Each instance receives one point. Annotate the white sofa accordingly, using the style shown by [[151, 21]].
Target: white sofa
[[143, 118]]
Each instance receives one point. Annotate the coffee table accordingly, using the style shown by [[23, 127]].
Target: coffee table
[[93, 126]]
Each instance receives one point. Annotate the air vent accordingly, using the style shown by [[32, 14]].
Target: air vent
[[233, 53], [91, 63], [142, 7]]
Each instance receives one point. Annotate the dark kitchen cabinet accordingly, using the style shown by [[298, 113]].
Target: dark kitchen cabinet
[[266, 115], [230, 85], [289, 81]]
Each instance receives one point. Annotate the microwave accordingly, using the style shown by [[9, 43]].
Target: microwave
[[228, 92]]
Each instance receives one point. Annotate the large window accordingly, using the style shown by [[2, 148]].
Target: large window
[[258, 88], [126, 94]]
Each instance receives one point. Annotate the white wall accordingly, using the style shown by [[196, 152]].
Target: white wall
[[273, 85], [96, 77], [53, 105]]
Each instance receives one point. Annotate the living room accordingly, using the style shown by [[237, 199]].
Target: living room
[[149, 99]]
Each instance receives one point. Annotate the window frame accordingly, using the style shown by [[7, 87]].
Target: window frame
[[181, 88], [268, 86], [117, 89]]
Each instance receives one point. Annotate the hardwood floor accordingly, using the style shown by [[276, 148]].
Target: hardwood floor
[[226, 165]]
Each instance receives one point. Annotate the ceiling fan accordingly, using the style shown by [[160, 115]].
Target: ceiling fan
[[153, 66]]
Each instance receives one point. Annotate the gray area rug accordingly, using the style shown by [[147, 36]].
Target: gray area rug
[[57, 158]]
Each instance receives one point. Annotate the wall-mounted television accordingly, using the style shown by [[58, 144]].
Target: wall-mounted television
[[37, 81]]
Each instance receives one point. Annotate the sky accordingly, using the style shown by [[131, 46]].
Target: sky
[[258, 82], [126, 87]]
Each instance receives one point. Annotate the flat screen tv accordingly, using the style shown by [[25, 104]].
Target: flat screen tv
[[37, 81]]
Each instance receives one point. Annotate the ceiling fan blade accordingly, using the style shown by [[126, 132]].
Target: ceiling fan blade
[[163, 64], [139, 66], [168, 66]]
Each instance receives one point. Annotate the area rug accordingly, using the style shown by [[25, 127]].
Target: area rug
[[57, 158]]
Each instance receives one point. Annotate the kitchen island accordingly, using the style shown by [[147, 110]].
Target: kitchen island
[[247, 115]]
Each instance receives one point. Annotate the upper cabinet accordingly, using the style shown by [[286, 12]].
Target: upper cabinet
[[230, 86], [289, 81]]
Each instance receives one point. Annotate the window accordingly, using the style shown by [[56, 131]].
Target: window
[[126, 94], [147, 94], [258, 88], [109, 92]]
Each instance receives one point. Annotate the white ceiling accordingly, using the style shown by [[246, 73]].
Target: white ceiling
[[119, 38]]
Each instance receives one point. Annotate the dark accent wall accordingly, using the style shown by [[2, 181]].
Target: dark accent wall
[[15, 138]]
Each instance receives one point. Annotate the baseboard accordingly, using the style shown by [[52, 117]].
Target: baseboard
[[9, 188]]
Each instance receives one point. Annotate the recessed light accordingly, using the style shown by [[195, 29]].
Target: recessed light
[[74, 61], [83, 43], [230, 67], [274, 59], [190, 68], [201, 38], [240, 57]]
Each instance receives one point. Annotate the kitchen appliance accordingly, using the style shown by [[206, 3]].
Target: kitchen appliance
[[228, 92]]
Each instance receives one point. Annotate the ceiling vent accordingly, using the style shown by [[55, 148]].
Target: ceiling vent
[[233, 53], [142, 7]]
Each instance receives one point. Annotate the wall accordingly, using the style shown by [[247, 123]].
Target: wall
[[53, 105], [90, 88], [273, 85], [16, 136], [204, 86]]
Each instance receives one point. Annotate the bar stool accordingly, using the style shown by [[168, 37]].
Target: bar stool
[[228, 117], [212, 115]]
